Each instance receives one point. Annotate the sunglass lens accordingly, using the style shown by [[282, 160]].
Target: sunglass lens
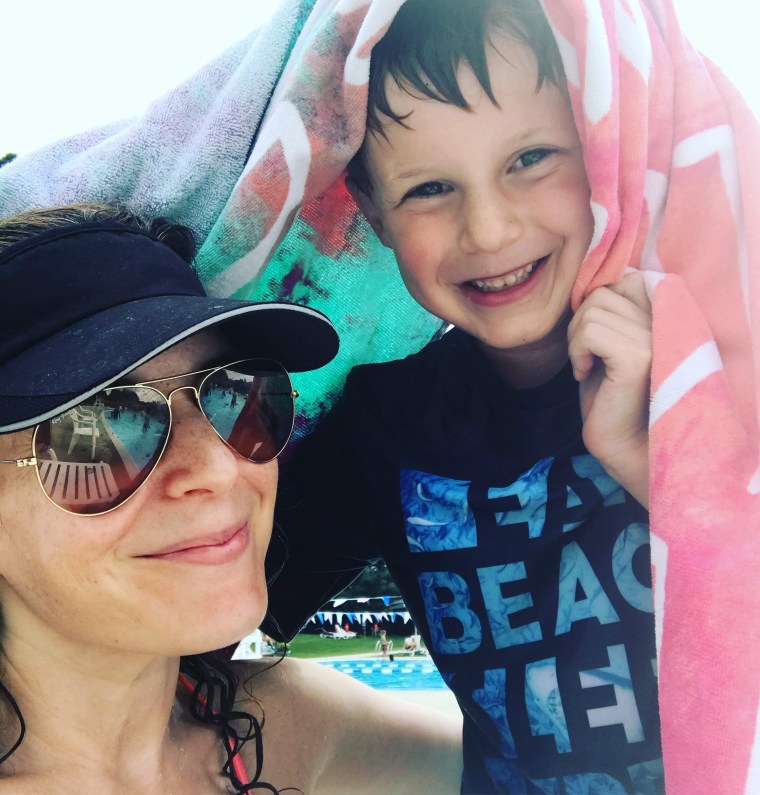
[[250, 405], [96, 455]]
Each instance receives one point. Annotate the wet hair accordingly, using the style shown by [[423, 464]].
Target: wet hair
[[427, 42], [214, 693], [212, 684]]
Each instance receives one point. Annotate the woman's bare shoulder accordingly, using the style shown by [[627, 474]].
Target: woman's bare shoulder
[[30, 785], [296, 742], [331, 733], [271, 672], [268, 677], [293, 688]]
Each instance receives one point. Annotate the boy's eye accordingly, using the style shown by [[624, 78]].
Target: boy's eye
[[427, 190], [532, 157]]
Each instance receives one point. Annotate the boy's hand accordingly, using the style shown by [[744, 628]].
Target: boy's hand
[[610, 346]]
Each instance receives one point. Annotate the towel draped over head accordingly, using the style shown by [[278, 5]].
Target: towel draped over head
[[261, 136]]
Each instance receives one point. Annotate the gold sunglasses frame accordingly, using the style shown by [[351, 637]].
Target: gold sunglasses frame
[[33, 461]]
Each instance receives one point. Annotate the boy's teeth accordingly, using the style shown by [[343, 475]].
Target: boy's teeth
[[502, 282]]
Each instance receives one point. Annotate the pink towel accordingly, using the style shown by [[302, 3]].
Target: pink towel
[[673, 157]]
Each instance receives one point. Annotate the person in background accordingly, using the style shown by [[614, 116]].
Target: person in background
[[383, 645]]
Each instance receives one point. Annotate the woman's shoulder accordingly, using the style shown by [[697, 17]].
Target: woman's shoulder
[[290, 701], [289, 685], [324, 731], [35, 784]]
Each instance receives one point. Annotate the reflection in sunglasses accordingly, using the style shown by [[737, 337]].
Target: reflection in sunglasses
[[122, 433], [137, 424], [94, 456], [72, 484]]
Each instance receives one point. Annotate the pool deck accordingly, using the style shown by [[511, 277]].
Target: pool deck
[[373, 655]]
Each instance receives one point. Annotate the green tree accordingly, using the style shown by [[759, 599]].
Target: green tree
[[5, 159], [375, 580]]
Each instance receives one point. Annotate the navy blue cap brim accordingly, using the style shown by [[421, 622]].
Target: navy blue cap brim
[[76, 362]]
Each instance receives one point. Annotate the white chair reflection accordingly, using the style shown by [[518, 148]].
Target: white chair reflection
[[85, 424], [74, 484]]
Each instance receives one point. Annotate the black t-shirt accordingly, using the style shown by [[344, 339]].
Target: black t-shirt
[[523, 564]]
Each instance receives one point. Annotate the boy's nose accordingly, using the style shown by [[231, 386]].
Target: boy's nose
[[489, 223]]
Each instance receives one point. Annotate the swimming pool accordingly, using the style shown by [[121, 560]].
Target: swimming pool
[[396, 675]]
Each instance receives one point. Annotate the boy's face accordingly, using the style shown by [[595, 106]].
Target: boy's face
[[487, 211]]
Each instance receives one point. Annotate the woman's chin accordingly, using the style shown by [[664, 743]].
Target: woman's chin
[[228, 627]]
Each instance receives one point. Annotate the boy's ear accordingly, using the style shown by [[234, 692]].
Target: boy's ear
[[369, 210]]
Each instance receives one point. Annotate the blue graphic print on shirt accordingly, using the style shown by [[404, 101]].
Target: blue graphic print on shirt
[[540, 617]]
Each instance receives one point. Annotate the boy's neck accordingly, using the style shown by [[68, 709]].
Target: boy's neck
[[530, 365]]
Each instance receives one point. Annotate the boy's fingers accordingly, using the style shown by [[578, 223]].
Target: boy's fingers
[[627, 301], [605, 313], [611, 311], [618, 315], [612, 329], [628, 352], [628, 298], [632, 287], [627, 345]]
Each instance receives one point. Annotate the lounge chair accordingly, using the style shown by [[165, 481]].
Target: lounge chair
[[78, 483], [85, 424], [338, 632]]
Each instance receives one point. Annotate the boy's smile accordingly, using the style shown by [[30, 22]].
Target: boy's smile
[[487, 210]]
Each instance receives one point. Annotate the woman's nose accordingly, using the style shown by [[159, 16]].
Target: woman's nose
[[196, 460], [490, 222]]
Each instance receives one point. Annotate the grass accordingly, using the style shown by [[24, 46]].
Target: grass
[[310, 645]]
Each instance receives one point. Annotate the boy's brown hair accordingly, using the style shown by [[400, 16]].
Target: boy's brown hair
[[427, 42]]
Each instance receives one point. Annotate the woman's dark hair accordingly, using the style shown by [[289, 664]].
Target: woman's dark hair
[[428, 40], [215, 689], [18, 227], [213, 684]]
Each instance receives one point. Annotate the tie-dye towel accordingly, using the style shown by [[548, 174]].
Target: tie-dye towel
[[673, 157]]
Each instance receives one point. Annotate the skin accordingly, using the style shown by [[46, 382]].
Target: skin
[[358, 735], [72, 574], [91, 619], [610, 347], [488, 213], [95, 624]]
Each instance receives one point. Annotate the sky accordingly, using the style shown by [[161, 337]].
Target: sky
[[69, 66]]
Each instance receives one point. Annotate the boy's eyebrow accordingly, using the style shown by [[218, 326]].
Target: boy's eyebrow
[[514, 142], [407, 174]]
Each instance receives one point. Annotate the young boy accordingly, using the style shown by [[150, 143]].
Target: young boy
[[491, 488]]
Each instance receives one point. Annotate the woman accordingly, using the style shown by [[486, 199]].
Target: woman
[[153, 416]]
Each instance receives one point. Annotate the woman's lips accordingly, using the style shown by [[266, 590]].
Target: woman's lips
[[208, 550]]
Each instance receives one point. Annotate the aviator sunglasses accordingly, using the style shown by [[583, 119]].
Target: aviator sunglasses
[[93, 457]]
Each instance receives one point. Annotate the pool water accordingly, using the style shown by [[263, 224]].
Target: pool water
[[396, 675]]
